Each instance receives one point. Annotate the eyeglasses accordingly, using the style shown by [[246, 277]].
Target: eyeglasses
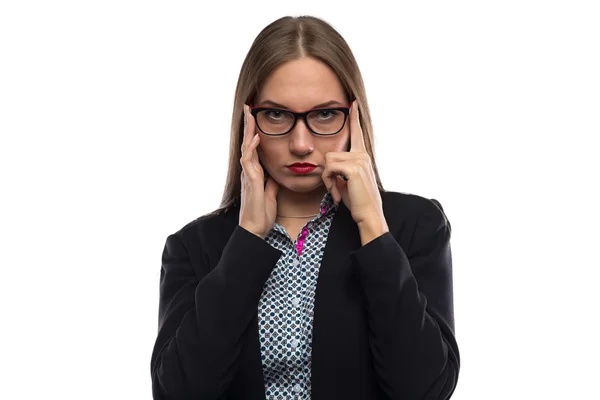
[[320, 121]]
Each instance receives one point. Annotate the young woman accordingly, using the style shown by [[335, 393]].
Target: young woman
[[310, 281]]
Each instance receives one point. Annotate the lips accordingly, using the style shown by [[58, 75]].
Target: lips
[[302, 168], [302, 165]]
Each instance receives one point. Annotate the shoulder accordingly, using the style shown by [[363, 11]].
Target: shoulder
[[409, 205], [208, 229], [405, 212]]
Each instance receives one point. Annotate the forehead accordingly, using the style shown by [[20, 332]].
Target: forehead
[[301, 84]]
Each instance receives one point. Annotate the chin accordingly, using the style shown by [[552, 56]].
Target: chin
[[304, 184]]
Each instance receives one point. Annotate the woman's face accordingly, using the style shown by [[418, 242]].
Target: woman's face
[[300, 85]]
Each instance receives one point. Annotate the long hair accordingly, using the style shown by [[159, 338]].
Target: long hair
[[287, 39]]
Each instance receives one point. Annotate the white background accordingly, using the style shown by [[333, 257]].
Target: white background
[[114, 122]]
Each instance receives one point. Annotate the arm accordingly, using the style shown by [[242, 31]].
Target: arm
[[201, 319], [409, 299]]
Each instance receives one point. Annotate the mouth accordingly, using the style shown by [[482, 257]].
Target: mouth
[[302, 168], [302, 164]]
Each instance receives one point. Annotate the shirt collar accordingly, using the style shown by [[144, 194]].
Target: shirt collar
[[328, 205]]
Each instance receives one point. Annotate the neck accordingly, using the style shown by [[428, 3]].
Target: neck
[[290, 203]]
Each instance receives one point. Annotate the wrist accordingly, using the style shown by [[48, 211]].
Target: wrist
[[372, 229], [253, 232]]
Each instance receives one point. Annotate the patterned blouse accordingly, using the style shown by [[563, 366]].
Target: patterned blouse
[[285, 309]]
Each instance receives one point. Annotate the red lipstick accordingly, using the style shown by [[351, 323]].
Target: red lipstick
[[302, 168]]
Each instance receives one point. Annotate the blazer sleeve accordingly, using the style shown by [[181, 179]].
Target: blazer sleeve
[[202, 318], [409, 298]]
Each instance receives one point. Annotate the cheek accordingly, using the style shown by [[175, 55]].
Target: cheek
[[267, 157], [267, 152], [340, 145]]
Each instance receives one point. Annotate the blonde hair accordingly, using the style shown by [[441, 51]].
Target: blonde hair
[[283, 40]]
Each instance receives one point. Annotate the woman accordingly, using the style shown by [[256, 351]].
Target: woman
[[308, 281]]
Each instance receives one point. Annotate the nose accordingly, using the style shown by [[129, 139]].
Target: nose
[[301, 138]]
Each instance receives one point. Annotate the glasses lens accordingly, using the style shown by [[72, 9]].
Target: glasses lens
[[323, 122], [326, 122], [274, 122]]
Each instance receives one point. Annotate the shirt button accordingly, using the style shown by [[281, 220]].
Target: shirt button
[[294, 343], [296, 302], [295, 263], [297, 388]]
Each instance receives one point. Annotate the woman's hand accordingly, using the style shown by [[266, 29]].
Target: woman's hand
[[258, 208], [359, 192]]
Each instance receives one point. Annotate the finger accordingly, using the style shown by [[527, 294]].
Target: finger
[[328, 183], [248, 152], [254, 152], [247, 159], [337, 189], [357, 141], [244, 130], [243, 181], [340, 156], [341, 184], [249, 128], [251, 132], [338, 193], [331, 170], [330, 174], [333, 189]]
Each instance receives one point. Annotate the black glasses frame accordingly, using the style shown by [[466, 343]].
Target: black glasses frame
[[303, 115]]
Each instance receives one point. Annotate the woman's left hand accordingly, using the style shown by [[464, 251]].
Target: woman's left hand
[[360, 192]]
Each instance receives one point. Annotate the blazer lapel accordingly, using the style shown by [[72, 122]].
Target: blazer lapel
[[331, 300]]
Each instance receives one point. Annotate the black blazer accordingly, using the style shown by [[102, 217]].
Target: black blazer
[[383, 313]]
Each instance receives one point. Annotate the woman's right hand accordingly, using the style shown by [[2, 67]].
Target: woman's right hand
[[258, 209]]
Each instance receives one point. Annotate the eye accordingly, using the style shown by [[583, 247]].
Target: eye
[[274, 114], [325, 114], [328, 115]]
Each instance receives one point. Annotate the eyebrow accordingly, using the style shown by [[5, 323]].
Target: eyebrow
[[321, 105]]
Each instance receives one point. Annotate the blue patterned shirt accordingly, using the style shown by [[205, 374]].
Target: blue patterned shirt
[[285, 309]]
